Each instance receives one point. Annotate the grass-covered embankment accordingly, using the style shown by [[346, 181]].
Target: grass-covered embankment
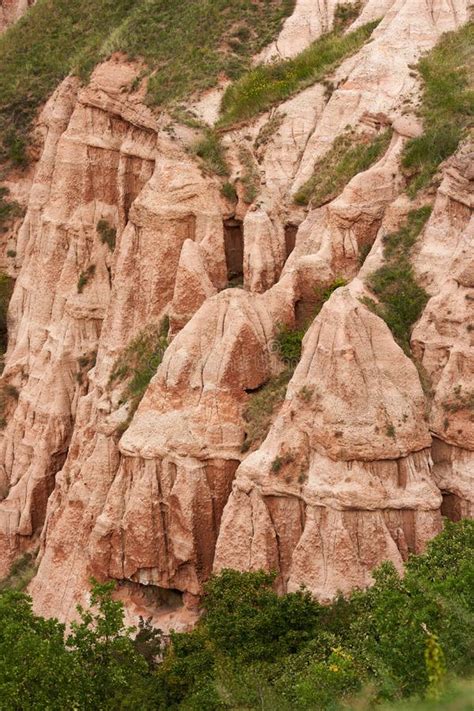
[[447, 106], [349, 155], [270, 84], [400, 299], [186, 47]]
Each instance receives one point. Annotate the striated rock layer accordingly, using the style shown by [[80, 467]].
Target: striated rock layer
[[359, 463]]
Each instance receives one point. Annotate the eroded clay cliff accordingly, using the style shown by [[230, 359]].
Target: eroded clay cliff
[[359, 462]]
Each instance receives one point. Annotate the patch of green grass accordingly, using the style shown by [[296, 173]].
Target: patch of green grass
[[107, 234], [401, 300], [53, 38], [447, 105], [289, 340], [211, 151], [229, 192], [289, 343], [21, 573], [188, 45], [261, 409], [250, 177], [85, 277], [138, 363], [349, 155], [269, 84]]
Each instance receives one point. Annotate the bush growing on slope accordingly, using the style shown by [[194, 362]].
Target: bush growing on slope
[[253, 648], [401, 300]]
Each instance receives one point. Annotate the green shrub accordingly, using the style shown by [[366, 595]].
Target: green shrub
[[349, 155], [447, 105], [107, 234], [229, 192], [85, 277], [401, 300], [255, 649], [289, 343], [269, 84], [209, 148], [138, 363]]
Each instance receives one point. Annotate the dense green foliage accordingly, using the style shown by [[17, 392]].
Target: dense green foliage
[[269, 84], [349, 155], [401, 300], [254, 649], [447, 105], [186, 46]]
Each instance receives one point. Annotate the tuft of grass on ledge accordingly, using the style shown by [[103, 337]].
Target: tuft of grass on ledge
[[138, 363], [350, 154], [400, 299], [447, 106], [211, 151], [269, 84]]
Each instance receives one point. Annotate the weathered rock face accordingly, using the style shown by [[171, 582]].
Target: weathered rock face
[[358, 464], [443, 339], [343, 479]]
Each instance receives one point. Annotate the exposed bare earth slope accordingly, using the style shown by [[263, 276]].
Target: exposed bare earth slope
[[360, 460]]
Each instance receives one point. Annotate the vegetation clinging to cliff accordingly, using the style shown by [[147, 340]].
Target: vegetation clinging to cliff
[[400, 299], [349, 155], [269, 84], [447, 105]]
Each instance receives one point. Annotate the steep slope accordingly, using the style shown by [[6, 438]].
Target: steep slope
[[127, 232]]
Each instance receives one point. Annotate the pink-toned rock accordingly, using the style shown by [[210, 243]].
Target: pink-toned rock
[[349, 456], [12, 10], [349, 474]]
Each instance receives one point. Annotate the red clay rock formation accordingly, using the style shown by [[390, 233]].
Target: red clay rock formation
[[356, 463]]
